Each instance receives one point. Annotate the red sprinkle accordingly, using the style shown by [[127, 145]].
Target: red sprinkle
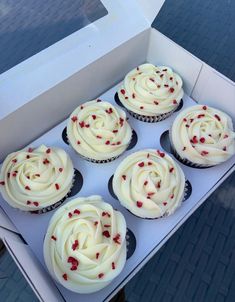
[[151, 193], [156, 103], [171, 90], [148, 155], [65, 276], [159, 185], [116, 239], [203, 153], [226, 136], [121, 120], [82, 124], [194, 140], [76, 211], [27, 156], [123, 91], [61, 169], [70, 215], [141, 107], [93, 116], [124, 177], [164, 203], [172, 196], [171, 78], [118, 143], [74, 263], [161, 154], [30, 150], [149, 163], [217, 117], [141, 165], [27, 188], [175, 102], [57, 186], [53, 238], [113, 265], [106, 214], [74, 118], [133, 95], [97, 255], [98, 101], [78, 142], [200, 115], [107, 142], [109, 111], [96, 222], [126, 97], [184, 119], [36, 203], [28, 202], [101, 275], [158, 86], [115, 131], [38, 175], [14, 160], [98, 136], [139, 204], [107, 225], [48, 150], [46, 161], [145, 183], [224, 149], [75, 245], [106, 234], [166, 85], [14, 174], [184, 149], [187, 126], [8, 174], [87, 125], [161, 75], [171, 170], [204, 107], [202, 140]]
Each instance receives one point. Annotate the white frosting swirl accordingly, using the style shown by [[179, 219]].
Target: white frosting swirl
[[149, 183], [99, 130], [203, 135], [85, 245], [32, 179], [150, 90]]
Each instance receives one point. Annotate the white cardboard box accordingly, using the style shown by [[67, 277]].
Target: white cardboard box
[[57, 81]]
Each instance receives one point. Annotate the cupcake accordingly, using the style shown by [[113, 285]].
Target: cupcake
[[85, 244], [36, 179], [149, 183], [151, 93], [202, 136], [98, 131]]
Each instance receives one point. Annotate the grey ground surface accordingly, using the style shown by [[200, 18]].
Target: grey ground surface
[[198, 262]]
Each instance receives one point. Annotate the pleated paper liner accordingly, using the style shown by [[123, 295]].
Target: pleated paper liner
[[187, 194], [166, 144], [133, 142], [75, 188], [149, 119]]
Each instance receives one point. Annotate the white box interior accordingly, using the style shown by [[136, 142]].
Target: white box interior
[[148, 46]]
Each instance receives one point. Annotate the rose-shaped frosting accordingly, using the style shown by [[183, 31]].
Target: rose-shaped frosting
[[203, 135], [150, 90], [98, 130], [149, 183], [85, 245], [32, 179]]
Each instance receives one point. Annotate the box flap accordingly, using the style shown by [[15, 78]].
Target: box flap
[[151, 8]]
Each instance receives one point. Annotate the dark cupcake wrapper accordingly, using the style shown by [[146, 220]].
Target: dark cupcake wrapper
[[185, 161], [55, 205]]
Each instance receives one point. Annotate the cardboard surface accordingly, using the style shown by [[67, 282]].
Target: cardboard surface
[[148, 239]]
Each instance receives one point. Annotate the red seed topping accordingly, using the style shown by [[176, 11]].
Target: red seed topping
[[161, 75], [116, 239], [175, 102], [158, 86], [76, 211], [200, 115], [60, 169], [187, 126], [101, 275], [109, 111], [151, 193], [204, 107], [139, 204], [93, 116], [87, 125], [166, 85], [191, 120], [38, 175], [217, 117], [161, 154], [106, 234], [98, 136], [14, 160], [46, 161], [28, 202], [148, 155], [30, 150], [150, 163], [78, 142], [171, 169], [226, 135], [121, 121], [202, 140], [224, 149], [156, 102], [48, 150], [36, 203], [65, 276], [74, 118], [115, 131], [27, 188], [113, 265], [159, 185], [137, 68], [133, 79], [74, 263], [141, 165], [98, 101], [82, 124], [8, 174], [133, 95], [96, 222], [126, 97], [70, 215], [106, 214], [141, 107], [194, 140], [81, 107], [53, 238], [164, 203], [57, 186], [118, 143], [107, 225], [75, 245], [172, 196], [97, 255], [184, 119], [27, 156], [203, 153], [145, 183], [107, 142], [171, 78], [124, 177], [184, 149], [123, 91], [14, 174], [171, 90], [151, 79]]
